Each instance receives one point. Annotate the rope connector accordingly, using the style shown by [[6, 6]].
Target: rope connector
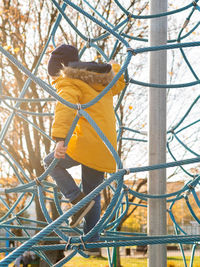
[[187, 193], [127, 83], [78, 109], [68, 243], [185, 24], [37, 181], [195, 176], [128, 171], [78, 106], [126, 190], [130, 49], [129, 16], [194, 3], [190, 186], [82, 242]]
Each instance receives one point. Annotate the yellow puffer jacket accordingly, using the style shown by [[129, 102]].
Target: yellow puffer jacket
[[85, 146]]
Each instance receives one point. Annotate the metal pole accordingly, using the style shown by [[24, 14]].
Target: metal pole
[[157, 254]]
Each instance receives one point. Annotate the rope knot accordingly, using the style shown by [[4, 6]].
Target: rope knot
[[130, 49], [128, 171], [78, 106], [190, 186], [82, 243], [129, 16], [127, 82], [194, 3], [78, 109], [37, 181], [185, 23], [68, 243]]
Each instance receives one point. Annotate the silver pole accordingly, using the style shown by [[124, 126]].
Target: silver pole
[[157, 254]]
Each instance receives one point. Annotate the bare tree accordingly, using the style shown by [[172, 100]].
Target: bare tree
[[25, 29]]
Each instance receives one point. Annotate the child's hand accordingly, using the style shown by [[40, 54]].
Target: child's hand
[[60, 150]]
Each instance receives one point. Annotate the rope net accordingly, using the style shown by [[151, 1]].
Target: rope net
[[73, 240]]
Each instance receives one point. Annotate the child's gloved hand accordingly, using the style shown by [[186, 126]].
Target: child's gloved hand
[[60, 150]]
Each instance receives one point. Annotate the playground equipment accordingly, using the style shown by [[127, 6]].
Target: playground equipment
[[110, 238]]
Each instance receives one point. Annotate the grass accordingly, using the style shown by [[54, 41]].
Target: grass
[[127, 262], [77, 261], [103, 262]]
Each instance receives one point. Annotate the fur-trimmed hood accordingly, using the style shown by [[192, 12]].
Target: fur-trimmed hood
[[89, 72]]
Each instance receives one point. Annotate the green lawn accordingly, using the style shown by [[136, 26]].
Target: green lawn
[[126, 262]]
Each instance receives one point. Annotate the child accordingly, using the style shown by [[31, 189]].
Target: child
[[80, 82]]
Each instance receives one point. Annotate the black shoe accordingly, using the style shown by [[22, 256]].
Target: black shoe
[[75, 219], [96, 252]]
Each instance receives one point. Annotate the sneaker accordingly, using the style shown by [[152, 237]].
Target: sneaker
[[75, 219], [96, 252]]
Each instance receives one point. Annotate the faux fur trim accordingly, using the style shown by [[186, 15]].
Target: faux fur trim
[[89, 77]]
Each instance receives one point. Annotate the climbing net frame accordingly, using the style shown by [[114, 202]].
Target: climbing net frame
[[108, 223]]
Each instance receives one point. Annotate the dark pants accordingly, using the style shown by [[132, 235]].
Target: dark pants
[[90, 180]]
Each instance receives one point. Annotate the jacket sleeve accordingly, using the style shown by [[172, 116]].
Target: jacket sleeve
[[120, 84], [64, 115]]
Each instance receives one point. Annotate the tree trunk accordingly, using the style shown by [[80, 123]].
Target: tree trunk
[[55, 255], [118, 263]]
